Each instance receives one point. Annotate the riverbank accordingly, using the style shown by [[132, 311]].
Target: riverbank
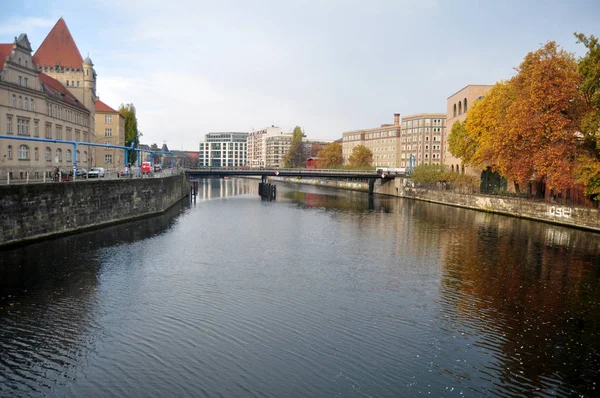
[[39, 211], [576, 217]]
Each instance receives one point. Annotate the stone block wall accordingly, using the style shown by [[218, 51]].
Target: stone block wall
[[35, 211]]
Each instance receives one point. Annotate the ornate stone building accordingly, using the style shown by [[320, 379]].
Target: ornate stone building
[[48, 95]]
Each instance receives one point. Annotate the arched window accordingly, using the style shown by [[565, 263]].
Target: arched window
[[454, 110], [9, 152], [67, 83], [59, 154], [452, 168], [78, 158], [48, 155], [465, 106], [457, 169], [26, 103], [460, 107], [463, 169], [20, 102], [31, 107], [68, 155], [23, 152], [36, 154], [14, 101], [84, 156]]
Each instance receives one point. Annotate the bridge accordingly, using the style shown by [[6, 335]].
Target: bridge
[[264, 173]]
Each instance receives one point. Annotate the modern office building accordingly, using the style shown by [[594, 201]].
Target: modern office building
[[49, 94], [458, 105], [223, 150], [110, 129], [422, 139], [383, 141]]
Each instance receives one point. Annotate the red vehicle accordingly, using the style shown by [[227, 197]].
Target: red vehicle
[[146, 167]]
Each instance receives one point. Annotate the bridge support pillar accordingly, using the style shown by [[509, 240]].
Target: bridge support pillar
[[371, 186]]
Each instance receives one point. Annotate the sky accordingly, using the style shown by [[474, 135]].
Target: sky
[[329, 66]]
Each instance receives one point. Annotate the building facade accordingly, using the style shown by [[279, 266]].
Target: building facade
[[458, 105], [382, 141], [35, 106], [422, 139], [110, 129], [277, 146], [257, 145], [223, 150]]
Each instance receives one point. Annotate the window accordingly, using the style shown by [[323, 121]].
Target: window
[[48, 130], [9, 125], [460, 108], [13, 102], [36, 154], [454, 110], [23, 152], [68, 155], [25, 82], [36, 128], [48, 155], [108, 159], [78, 156], [47, 109], [465, 106], [31, 107], [85, 156], [20, 102], [77, 83], [69, 134], [108, 132], [20, 81], [67, 83], [59, 155], [9, 152], [59, 132], [107, 118]]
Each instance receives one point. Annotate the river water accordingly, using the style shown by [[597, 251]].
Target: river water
[[324, 293]]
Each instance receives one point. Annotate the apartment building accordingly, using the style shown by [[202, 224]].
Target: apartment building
[[110, 129], [422, 139], [257, 145], [383, 141]]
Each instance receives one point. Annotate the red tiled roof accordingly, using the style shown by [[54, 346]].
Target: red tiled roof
[[60, 47], [5, 51], [56, 90], [102, 107]]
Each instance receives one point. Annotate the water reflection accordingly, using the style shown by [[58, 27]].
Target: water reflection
[[48, 297]]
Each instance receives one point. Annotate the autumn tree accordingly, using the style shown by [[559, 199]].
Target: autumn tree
[[294, 158], [361, 156], [132, 135], [526, 127], [588, 164], [330, 156], [461, 144]]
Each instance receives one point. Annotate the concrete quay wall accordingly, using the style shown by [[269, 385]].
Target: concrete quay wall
[[35, 211], [577, 217]]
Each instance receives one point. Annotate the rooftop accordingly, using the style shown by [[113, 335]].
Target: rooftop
[[58, 48]]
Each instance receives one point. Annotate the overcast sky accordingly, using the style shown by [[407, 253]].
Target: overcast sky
[[193, 67]]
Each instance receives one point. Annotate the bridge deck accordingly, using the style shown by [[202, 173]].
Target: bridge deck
[[326, 173]]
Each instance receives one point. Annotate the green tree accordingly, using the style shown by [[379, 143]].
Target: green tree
[[132, 135], [361, 156], [428, 173], [461, 144], [294, 158], [330, 156]]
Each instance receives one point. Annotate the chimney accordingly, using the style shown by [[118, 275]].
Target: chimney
[[396, 119]]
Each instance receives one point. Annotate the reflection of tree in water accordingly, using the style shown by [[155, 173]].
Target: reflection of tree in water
[[535, 288], [47, 302]]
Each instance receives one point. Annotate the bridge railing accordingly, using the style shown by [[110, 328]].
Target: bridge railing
[[273, 170]]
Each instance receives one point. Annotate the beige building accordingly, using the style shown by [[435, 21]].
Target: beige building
[[382, 141], [422, 140], [459, 104], [257, 145], [110, 129], [277, 146], [36, 105]]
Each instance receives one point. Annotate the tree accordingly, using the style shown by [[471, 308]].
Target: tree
[[132, 135], [527, 127], [330, 156], [461, 144], [294, 158], [361, 156], [588, 164]]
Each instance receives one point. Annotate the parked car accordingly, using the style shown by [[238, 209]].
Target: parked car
[[96, 172], [123, 172], [157, 168], [78, 172]]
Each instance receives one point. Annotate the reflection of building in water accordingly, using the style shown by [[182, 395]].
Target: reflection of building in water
[[213, 188]]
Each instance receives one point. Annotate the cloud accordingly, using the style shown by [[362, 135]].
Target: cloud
[[27, 25]]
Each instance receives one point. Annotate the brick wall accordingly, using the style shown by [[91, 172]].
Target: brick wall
[[39, 210]]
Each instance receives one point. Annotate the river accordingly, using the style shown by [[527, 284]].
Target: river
[[322, 292]]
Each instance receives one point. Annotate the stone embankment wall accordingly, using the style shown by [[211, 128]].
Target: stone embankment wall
[[34, 211], [579, 217]]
